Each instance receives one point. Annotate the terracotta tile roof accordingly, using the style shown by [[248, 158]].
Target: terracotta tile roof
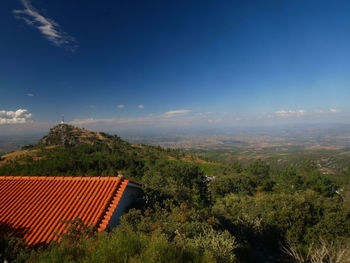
[[34, 207]]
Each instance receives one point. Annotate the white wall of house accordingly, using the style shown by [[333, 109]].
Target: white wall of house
[[130, 195]]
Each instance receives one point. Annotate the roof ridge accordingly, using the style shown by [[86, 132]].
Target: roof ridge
[[99, 178], [113, 205], [109, 203]]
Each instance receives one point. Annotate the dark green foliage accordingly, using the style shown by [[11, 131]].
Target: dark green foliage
[[320, 183], [236, 167], [259, 168], [175, 182], [290, 176], [236, 183], [185, 227], [82, 160], [260, 174], [300, 218], [176, 222], [124, 244], [12, 249], [308, 166]]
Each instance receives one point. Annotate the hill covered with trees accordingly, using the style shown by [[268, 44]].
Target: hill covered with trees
[[245, 213]]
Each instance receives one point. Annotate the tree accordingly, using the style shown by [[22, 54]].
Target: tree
[[176, 181], [236, 183]]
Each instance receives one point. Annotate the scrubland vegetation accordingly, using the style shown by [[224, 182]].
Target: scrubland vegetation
[[249, 213]]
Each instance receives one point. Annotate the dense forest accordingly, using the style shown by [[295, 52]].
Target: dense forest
[[245, 213]]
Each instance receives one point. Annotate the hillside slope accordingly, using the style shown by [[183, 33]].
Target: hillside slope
[[75, 151]]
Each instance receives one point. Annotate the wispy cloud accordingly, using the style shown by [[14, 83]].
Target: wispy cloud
[[289, 113], [141, 106], [48, 27], [30, 95], [121, 106], [179, 119], [176, 113], [13, 117]]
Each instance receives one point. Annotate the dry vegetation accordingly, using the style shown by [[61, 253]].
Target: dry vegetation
[[324, 251], [32, 153]]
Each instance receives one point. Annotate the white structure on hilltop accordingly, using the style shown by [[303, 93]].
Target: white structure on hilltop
[[62, 121]]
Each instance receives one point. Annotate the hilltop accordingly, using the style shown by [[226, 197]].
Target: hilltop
[[67, 145], [65, 134], [59, 136]]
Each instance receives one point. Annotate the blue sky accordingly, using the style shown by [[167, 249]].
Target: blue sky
[[174, 63]]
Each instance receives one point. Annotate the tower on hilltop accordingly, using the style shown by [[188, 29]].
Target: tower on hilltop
[[62, 121]]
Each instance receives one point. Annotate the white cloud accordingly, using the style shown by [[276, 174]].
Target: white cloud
[[176, 113], [334, 110], [214, 121], [30, 95], [121, 106], [289, 113], [49, 28], [141, 106], [13, 117]]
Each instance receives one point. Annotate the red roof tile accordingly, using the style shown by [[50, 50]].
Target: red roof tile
[[34, 207]]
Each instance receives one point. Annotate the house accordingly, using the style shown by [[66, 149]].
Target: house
[[34, 208]]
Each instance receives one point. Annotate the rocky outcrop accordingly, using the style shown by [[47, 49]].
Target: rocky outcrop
[[65, 134]]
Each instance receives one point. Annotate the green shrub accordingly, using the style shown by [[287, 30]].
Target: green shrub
[[121, 245], [13, 249], [236, 183], [175, 182], [298, 218]]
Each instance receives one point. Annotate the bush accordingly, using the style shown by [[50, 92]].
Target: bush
[[121, 245], [259, 168], [237, 183], [298, 218], [12, 249], [219, 246], [177, 183]]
